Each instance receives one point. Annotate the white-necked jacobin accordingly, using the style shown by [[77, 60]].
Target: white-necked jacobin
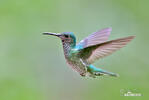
[[96, 46]]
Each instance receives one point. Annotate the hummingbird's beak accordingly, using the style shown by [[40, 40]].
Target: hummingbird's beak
[[49, 33]]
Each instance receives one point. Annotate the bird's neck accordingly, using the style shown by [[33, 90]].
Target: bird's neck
[[67, 46]]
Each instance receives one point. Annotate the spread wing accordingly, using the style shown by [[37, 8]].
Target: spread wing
[[92, 53], [95, 38]]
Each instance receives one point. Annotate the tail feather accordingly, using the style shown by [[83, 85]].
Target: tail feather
[[99, 72], [106, 73]]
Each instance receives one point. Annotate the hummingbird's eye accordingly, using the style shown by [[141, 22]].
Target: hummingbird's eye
[[66, 36]]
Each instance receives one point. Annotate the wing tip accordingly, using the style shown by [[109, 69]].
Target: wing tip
[[105, 30], [130, 37], [108, 29]]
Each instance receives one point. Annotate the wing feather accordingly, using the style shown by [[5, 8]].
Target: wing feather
[[95, 38], [101, 50]]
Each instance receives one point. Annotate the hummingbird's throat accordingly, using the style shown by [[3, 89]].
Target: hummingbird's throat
[[67, 48]]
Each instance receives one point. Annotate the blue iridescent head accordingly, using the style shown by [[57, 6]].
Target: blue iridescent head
[[66, 37]]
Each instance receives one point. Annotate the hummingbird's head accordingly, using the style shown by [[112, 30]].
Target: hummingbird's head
[[67, 37]]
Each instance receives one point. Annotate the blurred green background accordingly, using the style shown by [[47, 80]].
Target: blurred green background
[[32, 66]]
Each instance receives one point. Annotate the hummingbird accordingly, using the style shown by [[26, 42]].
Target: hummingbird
[[82, 55]]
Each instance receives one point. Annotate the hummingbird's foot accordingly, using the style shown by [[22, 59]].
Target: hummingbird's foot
[[83, 74], [98, 73]]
